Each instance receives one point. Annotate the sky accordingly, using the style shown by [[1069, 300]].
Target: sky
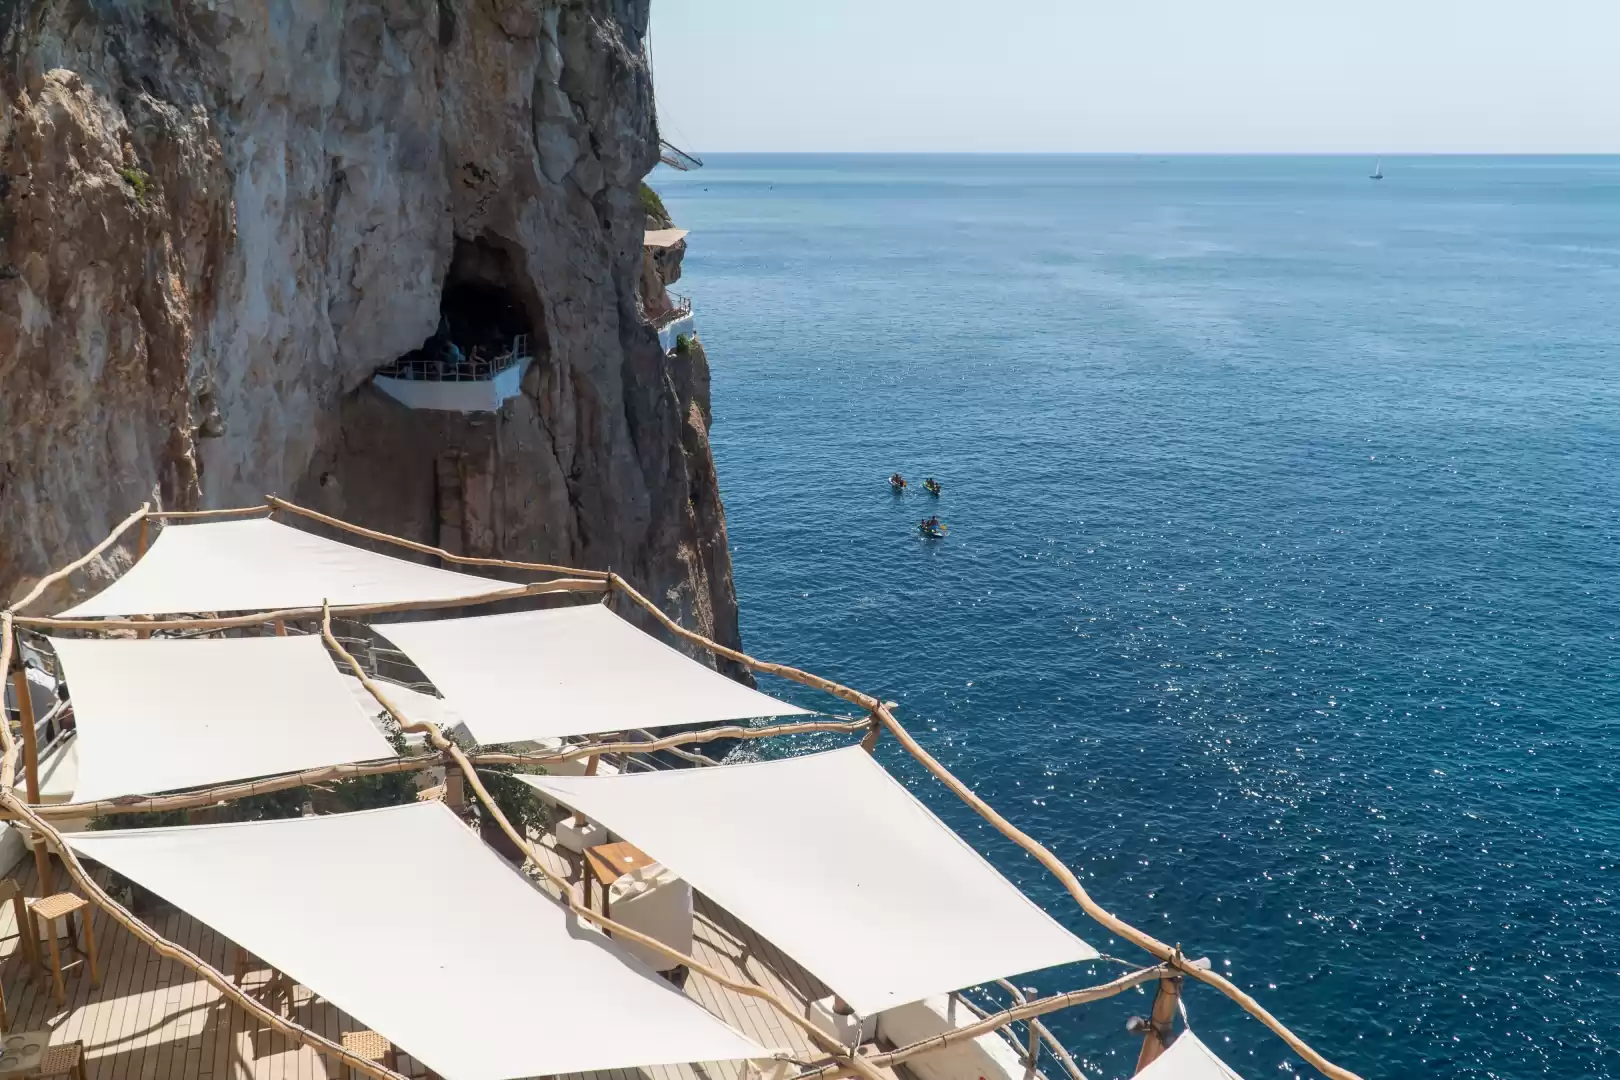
[[1151, 76]]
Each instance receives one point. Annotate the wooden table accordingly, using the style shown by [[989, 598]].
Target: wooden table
[[609, 862], [22, 1053]]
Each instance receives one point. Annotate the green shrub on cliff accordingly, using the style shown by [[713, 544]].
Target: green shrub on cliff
[[654, 206], [139, 182]]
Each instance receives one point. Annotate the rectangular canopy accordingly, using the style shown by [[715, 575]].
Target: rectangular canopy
[[262, 565], [838, 865], [663, 238], [161, 715], [1187, 1059], [568, 671], [406, 921]]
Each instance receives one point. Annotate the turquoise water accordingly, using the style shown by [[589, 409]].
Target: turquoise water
[[1282, 587]]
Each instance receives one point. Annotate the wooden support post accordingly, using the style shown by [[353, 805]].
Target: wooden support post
[[590, 770], [281, 627], [140, 543], [30, 741], [1161, 1028], [869, 742], [455, 794]]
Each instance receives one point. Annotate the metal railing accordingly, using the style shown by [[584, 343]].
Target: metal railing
[[467, 369], [680, 308], [1026, 1036]]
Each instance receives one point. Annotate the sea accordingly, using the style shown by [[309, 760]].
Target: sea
[[1282, 588]]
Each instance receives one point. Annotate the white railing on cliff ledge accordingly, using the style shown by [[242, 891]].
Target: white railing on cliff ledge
[[675, 323], [471, 384]]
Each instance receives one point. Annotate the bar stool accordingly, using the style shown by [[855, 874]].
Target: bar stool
[[44, 913], [66, 1059], [369, 1046]]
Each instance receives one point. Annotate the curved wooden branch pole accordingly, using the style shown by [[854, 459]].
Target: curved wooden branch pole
[[45, 831], [586, 750], [190, 800], [844, 1055], [234, 622], [995, 1021], [428, 549], [805, 678], [57, 575], [200, 515], [1142, 940]]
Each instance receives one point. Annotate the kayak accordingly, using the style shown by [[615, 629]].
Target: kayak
[[897, 486], [931, 488], [933, 533]]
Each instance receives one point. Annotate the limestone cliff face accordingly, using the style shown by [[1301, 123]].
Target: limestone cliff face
[[219, 217]]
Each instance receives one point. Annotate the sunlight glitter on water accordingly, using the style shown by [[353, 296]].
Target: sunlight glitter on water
[[1282, 575]]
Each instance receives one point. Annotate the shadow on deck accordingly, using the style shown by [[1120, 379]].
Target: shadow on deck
[[152, 1019]]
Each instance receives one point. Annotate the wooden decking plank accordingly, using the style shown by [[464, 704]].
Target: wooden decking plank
[[113, 942], [173, 994]]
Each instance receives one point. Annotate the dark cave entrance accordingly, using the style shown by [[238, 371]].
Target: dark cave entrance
[[490, 316]]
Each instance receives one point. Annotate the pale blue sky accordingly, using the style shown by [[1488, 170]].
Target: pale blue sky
[[1370, 76]]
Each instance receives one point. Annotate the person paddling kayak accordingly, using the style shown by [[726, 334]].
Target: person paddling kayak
[[897, 483]]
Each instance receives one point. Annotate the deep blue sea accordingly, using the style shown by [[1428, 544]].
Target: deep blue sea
[[1282, 585]]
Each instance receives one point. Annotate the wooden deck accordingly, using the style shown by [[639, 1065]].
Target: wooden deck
[[153, 1020]]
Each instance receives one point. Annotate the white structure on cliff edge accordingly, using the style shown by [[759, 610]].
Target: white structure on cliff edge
[[674, 321], [467, 384]]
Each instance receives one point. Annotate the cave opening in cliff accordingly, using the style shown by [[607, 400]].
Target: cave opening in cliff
[[489, 313]]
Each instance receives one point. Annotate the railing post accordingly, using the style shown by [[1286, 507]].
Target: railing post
[[30, 741], [1161, 1025]]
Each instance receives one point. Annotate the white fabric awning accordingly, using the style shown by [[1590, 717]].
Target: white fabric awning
[[406, 921], [262, 565], [162, 714], [663, 238], [838, 865], [568, 671], [1188, 1059]]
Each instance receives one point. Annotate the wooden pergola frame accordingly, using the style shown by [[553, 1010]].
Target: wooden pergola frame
[[1170, 969]]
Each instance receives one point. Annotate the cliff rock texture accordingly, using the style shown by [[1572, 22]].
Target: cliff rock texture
[[219, 217]]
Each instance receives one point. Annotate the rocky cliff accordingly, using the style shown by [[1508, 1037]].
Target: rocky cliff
[[219, 217]]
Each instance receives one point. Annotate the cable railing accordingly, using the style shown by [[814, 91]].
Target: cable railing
[[680, 308], [466, 368]]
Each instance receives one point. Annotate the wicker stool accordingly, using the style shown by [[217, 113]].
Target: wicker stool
[[44, 912], [66, 1059], [370, 1046]]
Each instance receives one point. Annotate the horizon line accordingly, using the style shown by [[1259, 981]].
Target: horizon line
[[1394, 154]]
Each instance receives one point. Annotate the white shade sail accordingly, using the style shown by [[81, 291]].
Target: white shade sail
[[838, 865], [568, 671], [663, 238], [406, 921], [1188, 1059], [157, 716], [161, 715], [261, 565]]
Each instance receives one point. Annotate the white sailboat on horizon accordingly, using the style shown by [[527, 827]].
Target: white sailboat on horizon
[[1378, 170]]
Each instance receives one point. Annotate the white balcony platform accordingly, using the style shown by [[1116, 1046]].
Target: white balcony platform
[[449, 395]]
